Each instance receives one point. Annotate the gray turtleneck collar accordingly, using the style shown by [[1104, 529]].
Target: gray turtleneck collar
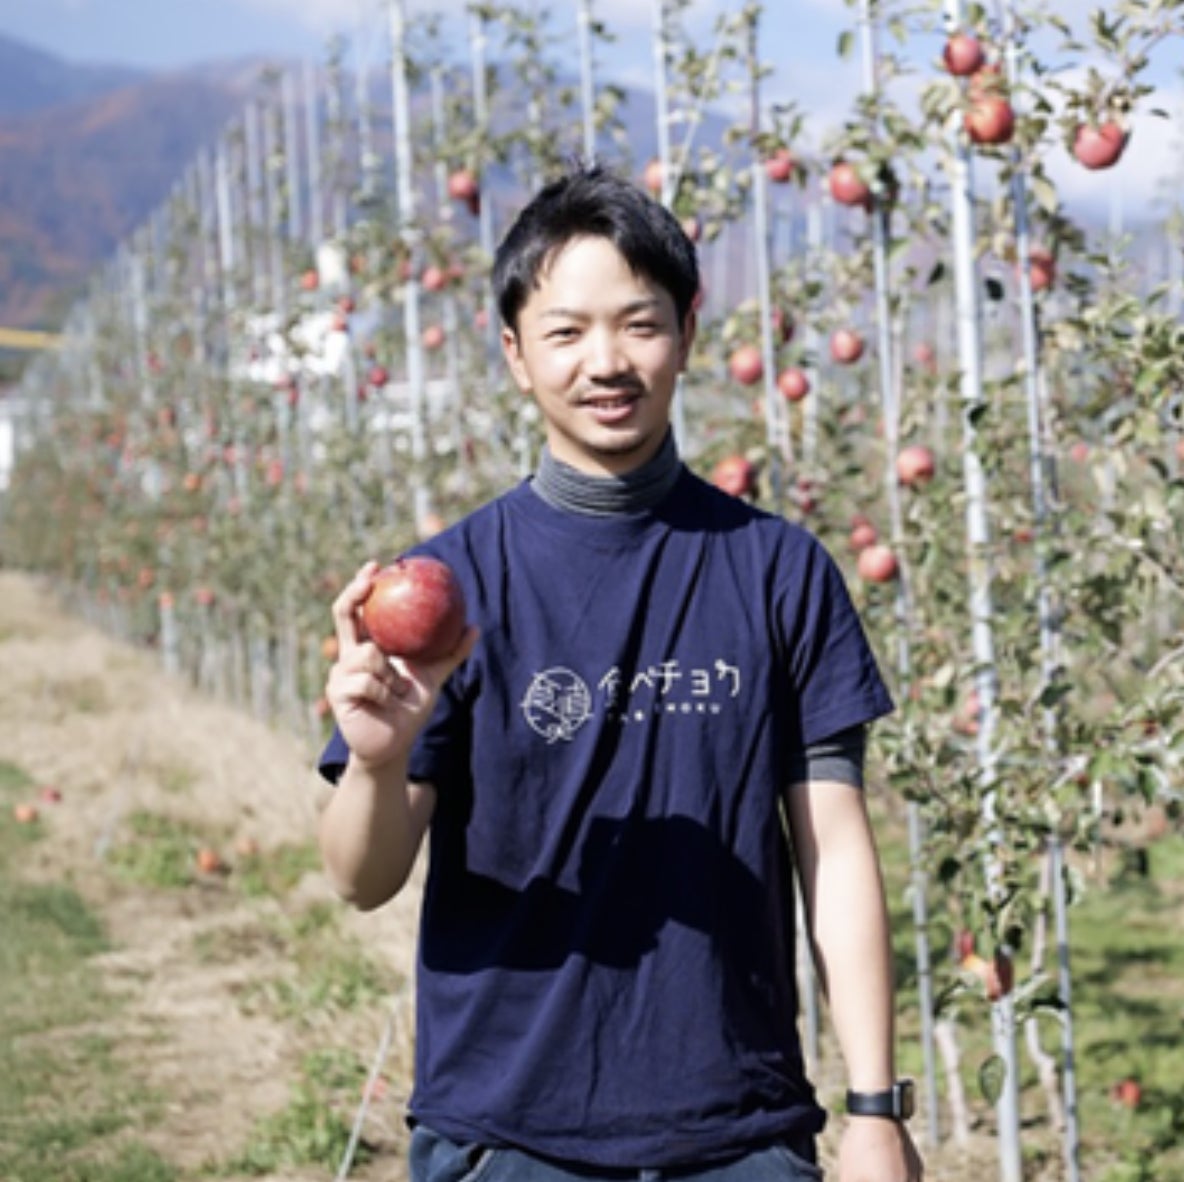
[[565, 487]]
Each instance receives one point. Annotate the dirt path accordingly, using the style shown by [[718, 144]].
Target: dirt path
[[100, 721]]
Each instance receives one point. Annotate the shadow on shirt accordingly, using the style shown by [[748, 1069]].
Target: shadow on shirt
[[637, 879]]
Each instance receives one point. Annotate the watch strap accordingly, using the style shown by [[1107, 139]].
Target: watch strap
[[894, 1103]]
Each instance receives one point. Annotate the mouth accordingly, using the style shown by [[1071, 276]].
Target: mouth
[[610, 402], [610, 410]]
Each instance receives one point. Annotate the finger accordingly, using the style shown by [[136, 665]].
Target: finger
[[362, 688], [438, 672], [346, 605]]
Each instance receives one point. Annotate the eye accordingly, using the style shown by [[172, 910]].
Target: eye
[[565, 332], [644, 327]]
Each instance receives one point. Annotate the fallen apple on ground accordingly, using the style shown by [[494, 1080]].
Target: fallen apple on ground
[[209, 861], [415, 609]]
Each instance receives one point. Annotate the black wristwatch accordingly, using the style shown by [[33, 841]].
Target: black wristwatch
[[896, 1103]]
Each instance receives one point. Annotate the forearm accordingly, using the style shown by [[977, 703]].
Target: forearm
[[848, 921], [370, 831]]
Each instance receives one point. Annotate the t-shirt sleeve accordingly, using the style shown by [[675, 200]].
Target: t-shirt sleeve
[[333, 758], [834, 676]]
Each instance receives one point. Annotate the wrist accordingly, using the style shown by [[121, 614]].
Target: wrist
[[894, 1103], [380, 770]]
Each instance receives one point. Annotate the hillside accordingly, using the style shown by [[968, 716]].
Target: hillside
[[90, 153], [32, 80]]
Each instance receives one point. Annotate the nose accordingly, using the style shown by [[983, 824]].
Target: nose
[[604, 358]]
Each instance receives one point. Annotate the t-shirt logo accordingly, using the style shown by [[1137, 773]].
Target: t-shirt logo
[[557, 704]]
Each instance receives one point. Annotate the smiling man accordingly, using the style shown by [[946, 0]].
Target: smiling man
[[657, 677]]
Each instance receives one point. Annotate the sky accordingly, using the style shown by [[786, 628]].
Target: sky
[[798, 41]]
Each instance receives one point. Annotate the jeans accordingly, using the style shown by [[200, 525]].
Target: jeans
[[434, 1158]]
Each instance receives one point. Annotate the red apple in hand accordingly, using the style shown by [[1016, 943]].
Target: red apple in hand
[[415, 609]]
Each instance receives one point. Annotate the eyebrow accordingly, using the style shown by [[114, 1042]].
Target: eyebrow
[[646, 304]]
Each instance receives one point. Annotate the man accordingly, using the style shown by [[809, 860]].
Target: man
[[654, 672]]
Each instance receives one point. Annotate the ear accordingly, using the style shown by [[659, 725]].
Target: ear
[[512, 351], [689, 327]]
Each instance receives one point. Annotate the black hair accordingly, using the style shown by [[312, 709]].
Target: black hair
[[594, 202]]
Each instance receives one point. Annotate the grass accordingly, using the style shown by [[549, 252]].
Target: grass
[[313, 1129], [70, 1108], [160, 852], [67, 1111], [325, 970], [1127, 961]]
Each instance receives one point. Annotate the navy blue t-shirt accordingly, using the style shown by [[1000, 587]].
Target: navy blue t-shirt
[[606, 958]]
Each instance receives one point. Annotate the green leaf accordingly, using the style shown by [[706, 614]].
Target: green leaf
[[1045, 193], [992, 1074], [846, 44]]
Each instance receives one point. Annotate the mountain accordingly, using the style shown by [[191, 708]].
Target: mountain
[[31, 80], [92, 153]]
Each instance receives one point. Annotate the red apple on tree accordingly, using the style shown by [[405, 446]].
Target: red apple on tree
[[1128, 1092], [746, 365], [1042, 268], [463, 186], [877, 564], [415, 609], [990, 120], [915, 465], [964, 945], [734, 474], [793, 383], [652, 176], [1099, 146], [432, 337], [863, 534], [847, 187], [963, 55], [434, 278], [1000, 976], [779, 166], [783, 325], [846, 346], [925, 356]]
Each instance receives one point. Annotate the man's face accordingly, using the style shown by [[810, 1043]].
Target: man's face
[[600, 350]]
